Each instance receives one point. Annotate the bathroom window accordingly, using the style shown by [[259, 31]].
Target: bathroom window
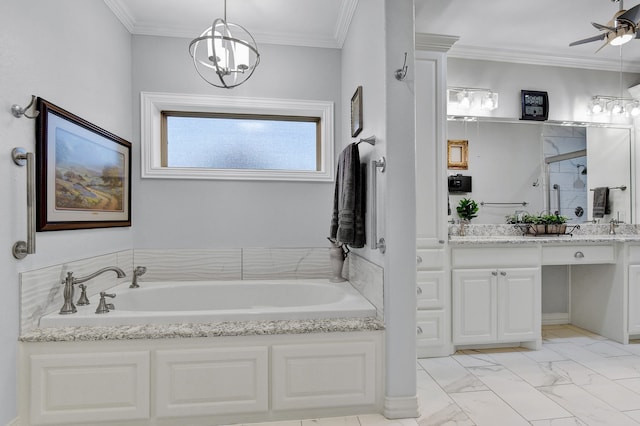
[[246, 141], [211, 137]]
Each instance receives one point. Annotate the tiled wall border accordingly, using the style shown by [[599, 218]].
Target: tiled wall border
[[41, 289]]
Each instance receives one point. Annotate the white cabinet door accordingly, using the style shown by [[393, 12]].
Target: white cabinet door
[[519, 304], [474, 306], [634, 299]]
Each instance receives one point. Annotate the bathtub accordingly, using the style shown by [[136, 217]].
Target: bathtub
[[217, 301]]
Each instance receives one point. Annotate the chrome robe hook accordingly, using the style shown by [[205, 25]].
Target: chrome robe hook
[[19, 111]]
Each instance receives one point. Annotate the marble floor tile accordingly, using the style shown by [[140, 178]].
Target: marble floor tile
[[450, 375], [607, 390], [544, 355], [436, 406], [485, 408], [585, 406], [520, 395], [332, 421], [568, 421], [534, 373], [379, 420]]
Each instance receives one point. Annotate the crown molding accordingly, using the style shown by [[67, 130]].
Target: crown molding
[[434, 42], [122, 12], [540, 58], [348, 8], [345, 15]]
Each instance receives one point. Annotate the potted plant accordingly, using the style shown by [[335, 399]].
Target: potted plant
[[535, 224], [466, 209], [556, 224]]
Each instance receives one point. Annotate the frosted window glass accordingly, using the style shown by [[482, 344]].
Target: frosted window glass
[[241, 143]]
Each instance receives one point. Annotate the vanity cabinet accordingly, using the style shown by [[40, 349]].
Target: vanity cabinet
[[496, 296], [634, 290], [432, 300], [496, 305]]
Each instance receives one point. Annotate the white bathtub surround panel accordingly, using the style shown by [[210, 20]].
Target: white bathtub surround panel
[[203, 382], [270, 263], [41, 289], [189, 264], [206, 381], [368, 279]]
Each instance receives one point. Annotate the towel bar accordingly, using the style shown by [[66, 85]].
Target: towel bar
[[519, 203], [621, 188], [21, 248], [376, 244]]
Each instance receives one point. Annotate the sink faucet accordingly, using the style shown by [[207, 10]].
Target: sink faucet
[[613, 224], [68, 307]]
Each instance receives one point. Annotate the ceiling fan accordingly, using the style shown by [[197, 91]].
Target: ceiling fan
[[621, 29]]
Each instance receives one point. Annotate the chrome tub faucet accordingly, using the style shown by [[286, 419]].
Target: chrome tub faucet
[[137, 272], [68, 307]]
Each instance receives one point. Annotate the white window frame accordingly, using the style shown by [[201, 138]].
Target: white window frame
[[153, 103]]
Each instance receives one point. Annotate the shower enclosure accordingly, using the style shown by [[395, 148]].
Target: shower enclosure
[[567, 192]]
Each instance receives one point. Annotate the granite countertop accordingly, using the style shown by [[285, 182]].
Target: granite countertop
[[170, 331], [510, 234]]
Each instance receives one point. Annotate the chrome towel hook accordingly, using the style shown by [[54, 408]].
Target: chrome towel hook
[[19, 111], [401, 73]]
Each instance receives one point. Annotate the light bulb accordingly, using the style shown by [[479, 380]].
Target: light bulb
[[617, 109], [635, 110]]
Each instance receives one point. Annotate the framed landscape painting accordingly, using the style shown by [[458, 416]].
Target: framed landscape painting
[[83, 173]]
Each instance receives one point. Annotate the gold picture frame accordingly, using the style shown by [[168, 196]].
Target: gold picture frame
[[458, 154]]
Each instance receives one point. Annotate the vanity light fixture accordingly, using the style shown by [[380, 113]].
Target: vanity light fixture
[[614, 105], [225, 55], [466, 98]]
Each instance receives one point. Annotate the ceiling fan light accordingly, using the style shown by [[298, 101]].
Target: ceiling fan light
[[621, 39]]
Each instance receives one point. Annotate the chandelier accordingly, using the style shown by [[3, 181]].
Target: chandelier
[[225, 55]]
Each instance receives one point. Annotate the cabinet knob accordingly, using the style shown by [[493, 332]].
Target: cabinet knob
[[503, 273], [494, 273], [579, 255], [419, 291], [419, 259], [419, 330], [441, 241]]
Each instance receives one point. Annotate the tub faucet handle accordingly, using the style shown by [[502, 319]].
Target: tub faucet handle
[[103, 306], [83, 300]]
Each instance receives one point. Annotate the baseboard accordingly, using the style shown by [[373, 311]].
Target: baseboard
[[401, 407], [14, 422], [553, 319]]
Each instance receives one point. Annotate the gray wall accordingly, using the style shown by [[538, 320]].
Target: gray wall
[[208, 214], [76, 54]]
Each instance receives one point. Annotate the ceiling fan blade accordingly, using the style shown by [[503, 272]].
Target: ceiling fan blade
[[589, 40], [632, 14], [600, 48], [602, 27]]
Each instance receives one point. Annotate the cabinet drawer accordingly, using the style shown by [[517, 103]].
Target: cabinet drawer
[[577, 255], [429, 259], [491, 256], [431, 328], [431, 287]]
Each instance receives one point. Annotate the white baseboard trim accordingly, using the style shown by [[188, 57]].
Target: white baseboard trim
[[14, 422], [553, 319], [401, 407]]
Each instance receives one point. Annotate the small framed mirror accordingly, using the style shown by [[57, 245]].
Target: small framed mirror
[[457, 154]]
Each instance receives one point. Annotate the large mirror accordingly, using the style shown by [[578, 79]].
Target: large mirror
[[520, 167]]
